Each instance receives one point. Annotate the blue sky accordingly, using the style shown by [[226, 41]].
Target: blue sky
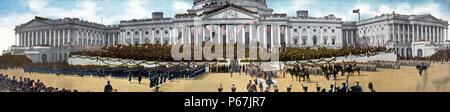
[[16, 12]]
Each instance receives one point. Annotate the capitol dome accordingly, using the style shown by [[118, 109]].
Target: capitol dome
[[258, 6]]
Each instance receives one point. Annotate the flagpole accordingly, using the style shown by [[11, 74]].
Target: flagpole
[[359, 15]]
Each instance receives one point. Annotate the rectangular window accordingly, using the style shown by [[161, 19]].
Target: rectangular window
[[333, 41]]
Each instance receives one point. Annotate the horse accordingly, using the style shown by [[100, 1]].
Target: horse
[[349, 70], [305, 74], [325, 72], [421, 67], [357, 69]]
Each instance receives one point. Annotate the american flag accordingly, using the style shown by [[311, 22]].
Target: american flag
[[240, 28], [192, 29], [255, 21], [282, 29], [209, 28]]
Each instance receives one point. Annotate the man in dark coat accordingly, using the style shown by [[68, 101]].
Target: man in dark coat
[[108, 87]]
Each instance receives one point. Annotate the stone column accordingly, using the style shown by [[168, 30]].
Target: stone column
[[69, 36], [120, 38], [171, 36], [420, 32], [435, 34], [19, 39], [338, 39], [408, 34], [428, 33], [308, 38], [439, 34], [446, 33], [278, 35], [243, 34], [44, 37], [271, 36], [182, 35], [26, 39], [32, 38], [64, 36], [190, 35], [219, 34], [413, 30], [258, 35], [431, 34], [161, 36], [443, 37], [227, 34], [398, 33], [202, 28], [235, 33], [251, 33], [88, 37], [77, 36], [58, 37], [403, 34]]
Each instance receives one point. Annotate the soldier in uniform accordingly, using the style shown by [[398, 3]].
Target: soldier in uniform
[[370, 86], [318, 87], [275, 88], [289, 88], [233, 88], [220, 88], [249, 85], [305, 88], [139, 78]]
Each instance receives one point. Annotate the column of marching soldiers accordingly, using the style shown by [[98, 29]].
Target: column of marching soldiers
[[301, 72], [161, 74], [156, 75]]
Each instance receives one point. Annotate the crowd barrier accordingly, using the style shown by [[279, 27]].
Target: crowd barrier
[[117, 72], [413, 63]]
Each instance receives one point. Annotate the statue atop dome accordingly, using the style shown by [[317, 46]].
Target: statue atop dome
[[258, 6]]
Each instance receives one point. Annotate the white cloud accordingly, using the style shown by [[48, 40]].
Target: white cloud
[[181, 6], [294, 6], [86, 9], [136, 9], [7, 25]]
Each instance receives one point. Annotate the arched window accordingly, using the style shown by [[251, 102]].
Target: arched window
[[147, 40], [314, 40], [304, 39], [333, 40], [44, 58], [419, 52], [325, 40]]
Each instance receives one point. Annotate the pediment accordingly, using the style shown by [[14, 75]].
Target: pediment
[[427, 18], [35, 23], [230, 13]]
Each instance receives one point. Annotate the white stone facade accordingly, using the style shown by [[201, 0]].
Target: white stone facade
[[408, 34], [233, 21]]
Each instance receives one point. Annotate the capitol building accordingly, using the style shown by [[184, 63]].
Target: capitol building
[[233, 21]]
